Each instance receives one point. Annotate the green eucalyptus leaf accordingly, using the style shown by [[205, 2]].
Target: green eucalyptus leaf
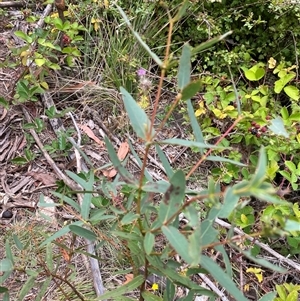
[[178, 242], [181, 11], [188, 143], [261, 168], [165, 162], [222, 159], [129, 218], [263, 262], [175, 277], [80, 231], [210, 43], [169, 292], [27, 286], [184, 69], [195, 125], [139, 119], [157, 187], [224, 280], [138, 160], [117, 163], [149, 241], [208, 232], [230, 202], [65, 199], [194, 246], [8, 252], [6, 265], [173, 197], [60, 233]]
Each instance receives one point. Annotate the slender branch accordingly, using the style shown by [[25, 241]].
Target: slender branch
[[210, 150]]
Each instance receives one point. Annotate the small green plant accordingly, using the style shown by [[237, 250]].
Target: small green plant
[[287, 292]]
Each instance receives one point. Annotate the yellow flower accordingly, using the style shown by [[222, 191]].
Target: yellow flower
[[155, 286]]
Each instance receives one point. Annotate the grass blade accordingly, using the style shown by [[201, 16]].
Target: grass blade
[[144, 45]]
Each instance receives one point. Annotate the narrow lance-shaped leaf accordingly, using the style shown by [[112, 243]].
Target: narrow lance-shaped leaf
[[222, 159], [59, 233], [145, 46], [184, 70], [194, 123], [260, 172], [230, 202], [149, 241], [168, 169], [138, 160], [169, 292], [139, 119], [174, 276], [80, 231], [263, 262], [8, 252], [117, 163], [224, 280], [181, 11], [28, 285], [87, 198], [188, 143], [178, 242], [210, 43], [173, 197]]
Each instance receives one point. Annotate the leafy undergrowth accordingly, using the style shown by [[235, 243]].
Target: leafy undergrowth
[[176, 176]]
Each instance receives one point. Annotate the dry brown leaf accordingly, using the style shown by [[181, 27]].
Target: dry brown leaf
[[45, 178], [128, 277], [123, 151], [110, 173], [65, 254], [91, 134]]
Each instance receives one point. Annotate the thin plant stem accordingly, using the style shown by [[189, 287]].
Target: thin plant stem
[[210, 150]]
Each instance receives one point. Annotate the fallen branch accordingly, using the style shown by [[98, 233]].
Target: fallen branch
[[289, 262], [12, 4]]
